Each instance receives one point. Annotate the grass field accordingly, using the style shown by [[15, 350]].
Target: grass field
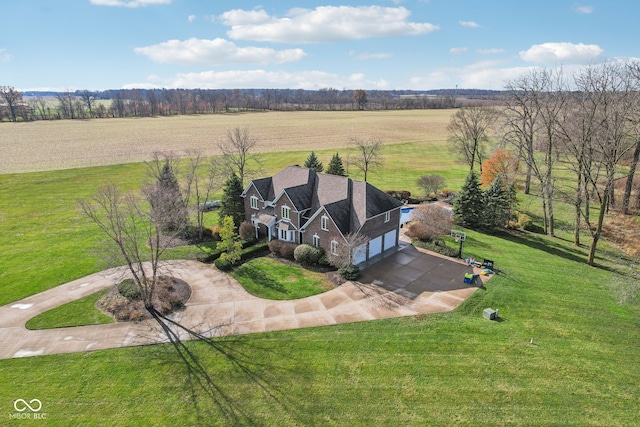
[[446, 369], [61, 144]]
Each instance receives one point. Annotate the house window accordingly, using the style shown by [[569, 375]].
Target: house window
[[324, 223], [316, 241], [387, 216], [334, 247], [287, 235], [254, 202], [286, 212]]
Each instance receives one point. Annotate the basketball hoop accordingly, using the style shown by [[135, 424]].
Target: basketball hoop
[[459, 237]]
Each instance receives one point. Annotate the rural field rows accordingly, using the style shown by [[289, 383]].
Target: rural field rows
[[64, 144]]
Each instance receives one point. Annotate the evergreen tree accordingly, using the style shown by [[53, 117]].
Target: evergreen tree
[[497, 205], [312, 162], [335, 166], [166, 201], [230, 242], [468, 205], [232, 204]]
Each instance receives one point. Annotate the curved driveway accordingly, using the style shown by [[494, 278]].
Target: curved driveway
[[404, 283]]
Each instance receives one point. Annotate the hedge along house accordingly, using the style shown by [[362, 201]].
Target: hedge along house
[[300, 205]]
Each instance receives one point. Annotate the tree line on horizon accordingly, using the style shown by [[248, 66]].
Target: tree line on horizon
[[84, 104]]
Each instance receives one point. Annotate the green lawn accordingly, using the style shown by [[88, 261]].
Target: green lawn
[[75, 313], [446, 369], [453, 368], [271, 279]]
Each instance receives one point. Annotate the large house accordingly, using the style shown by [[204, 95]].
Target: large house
[[302, 206]]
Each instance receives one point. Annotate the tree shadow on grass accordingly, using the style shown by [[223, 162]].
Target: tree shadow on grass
[[558, 249], [205, 389], [260, 278]]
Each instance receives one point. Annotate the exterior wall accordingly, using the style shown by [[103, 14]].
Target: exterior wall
[[376, 226], [326, 236], [248, 210], [285, 201]]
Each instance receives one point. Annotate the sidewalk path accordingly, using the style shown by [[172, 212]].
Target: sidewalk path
[[218, 306]]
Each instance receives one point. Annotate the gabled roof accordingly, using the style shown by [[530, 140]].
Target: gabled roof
[[350, 203]]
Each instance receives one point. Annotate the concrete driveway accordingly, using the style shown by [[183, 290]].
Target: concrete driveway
[[404, 283]]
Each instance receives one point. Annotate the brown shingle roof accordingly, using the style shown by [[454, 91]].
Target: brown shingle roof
[[350, 203]]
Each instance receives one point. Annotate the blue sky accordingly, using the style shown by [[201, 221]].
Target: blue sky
[[348, 44]]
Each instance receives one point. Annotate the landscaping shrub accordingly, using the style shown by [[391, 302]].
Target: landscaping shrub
[[401, 195], [307, 254], [349, 272], [254, 251], [215, 233], [437, 246], [128, 289], [223, 264], [525, 222], [136, 316], [282, 249], [247, 232]]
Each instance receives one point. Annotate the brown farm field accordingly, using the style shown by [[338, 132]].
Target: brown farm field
[[65, 144]]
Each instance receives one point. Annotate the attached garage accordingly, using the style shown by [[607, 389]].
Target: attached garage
[[390, 239], [375, 246], [359, 254]]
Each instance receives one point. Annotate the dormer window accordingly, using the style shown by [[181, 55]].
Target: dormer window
[[285, 212], [254, 202], [324, 222]]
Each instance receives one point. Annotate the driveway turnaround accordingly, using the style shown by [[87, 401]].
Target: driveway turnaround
[[402, 283]]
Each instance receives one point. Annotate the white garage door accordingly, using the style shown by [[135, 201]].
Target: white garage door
[[375, 246], [390, 239], [359, 254]]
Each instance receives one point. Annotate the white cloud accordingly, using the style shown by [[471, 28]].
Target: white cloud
[[191, 18], [5, 56], [479, 75], [469, 24], [568, 53], [323, 24], [458, 50], [245, 17], [216, 52], [310, 80], [366, 56], [584, 9], [489, 51], [128, 3]]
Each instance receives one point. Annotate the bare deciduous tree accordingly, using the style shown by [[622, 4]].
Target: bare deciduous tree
[[431, 183], [534, 127], [201, 180], [348, 250], [612, 93], [360, 98], [368, 155], [13, 99], [238, 153], [469, 132], [430, 222], [633, 69], [133, 229]]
